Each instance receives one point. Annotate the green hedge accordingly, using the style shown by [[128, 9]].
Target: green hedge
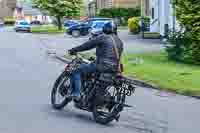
[[146, 23], [9, 21]]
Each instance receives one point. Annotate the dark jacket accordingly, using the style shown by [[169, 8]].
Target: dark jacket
[[105, 53]]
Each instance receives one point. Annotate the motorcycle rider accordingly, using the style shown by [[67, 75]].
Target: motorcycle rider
[[109, 48]]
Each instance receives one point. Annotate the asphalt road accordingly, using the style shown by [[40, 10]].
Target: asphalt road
[[133, 44], [27, 75]]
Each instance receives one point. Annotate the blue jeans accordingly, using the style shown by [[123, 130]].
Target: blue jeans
[[75, 80]]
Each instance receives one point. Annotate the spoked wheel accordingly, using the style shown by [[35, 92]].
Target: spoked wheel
[[107, 106], [61, 91]]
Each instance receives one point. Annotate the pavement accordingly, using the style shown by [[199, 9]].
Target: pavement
[[28, 70]]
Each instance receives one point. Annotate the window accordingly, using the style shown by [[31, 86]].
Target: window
[[86, 22], [98, 25], [23, 23], [152, 13]]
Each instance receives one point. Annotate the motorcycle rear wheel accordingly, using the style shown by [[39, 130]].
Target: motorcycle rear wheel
[[102, 117]]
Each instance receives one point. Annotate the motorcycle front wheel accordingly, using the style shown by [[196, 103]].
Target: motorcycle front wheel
[[60, 94]]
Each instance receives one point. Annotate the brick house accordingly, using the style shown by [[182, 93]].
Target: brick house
[[7, 8]]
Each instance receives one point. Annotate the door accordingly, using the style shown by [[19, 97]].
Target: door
[[85, 28]]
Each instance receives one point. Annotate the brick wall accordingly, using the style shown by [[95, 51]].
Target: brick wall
[[118, 3], [126, 3]]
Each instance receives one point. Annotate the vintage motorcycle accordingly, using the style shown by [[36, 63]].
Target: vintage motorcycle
[[103, 94]]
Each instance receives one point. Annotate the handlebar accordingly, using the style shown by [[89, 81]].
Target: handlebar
[[81, 58]]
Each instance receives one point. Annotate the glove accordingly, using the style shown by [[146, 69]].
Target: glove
[[72, 52]]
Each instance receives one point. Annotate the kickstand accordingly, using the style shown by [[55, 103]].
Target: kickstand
[[117, 117]]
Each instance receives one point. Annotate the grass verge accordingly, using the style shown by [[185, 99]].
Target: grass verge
[[151, 35], [123, 27], [48, 29], [157, 70]]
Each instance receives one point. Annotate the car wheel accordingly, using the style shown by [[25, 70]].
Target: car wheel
[[89, 30], [75, 33]]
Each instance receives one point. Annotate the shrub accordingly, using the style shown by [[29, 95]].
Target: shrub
[[182, 47], [178, 42], [9, 21], [187, 46], [133, 25], [146, 23]]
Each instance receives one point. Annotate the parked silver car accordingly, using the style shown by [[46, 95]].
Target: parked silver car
[[22, 25], [1, 23]]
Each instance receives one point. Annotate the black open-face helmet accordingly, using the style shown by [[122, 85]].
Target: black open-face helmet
[[110, 28]]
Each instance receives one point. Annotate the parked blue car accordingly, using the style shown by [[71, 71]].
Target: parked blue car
[[97, 28], [69, 23], [84, 27]]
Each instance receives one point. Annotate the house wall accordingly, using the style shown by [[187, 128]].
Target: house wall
[[25, 11], [126, 3], [163, 15], [11, 4], [41, 18], [7, 7], [92, 9], [154, 9], [145, 7], [103, 4]]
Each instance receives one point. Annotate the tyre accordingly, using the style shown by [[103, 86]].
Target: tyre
[[75, 33], [108, 107], [89, 30], [61, 89]]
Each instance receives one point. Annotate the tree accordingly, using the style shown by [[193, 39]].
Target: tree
[[59, 8], [188, 16]]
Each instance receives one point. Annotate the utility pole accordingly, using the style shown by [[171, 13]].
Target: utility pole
[[174, 20], [174, 16], [142, 19], [96, 8]]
